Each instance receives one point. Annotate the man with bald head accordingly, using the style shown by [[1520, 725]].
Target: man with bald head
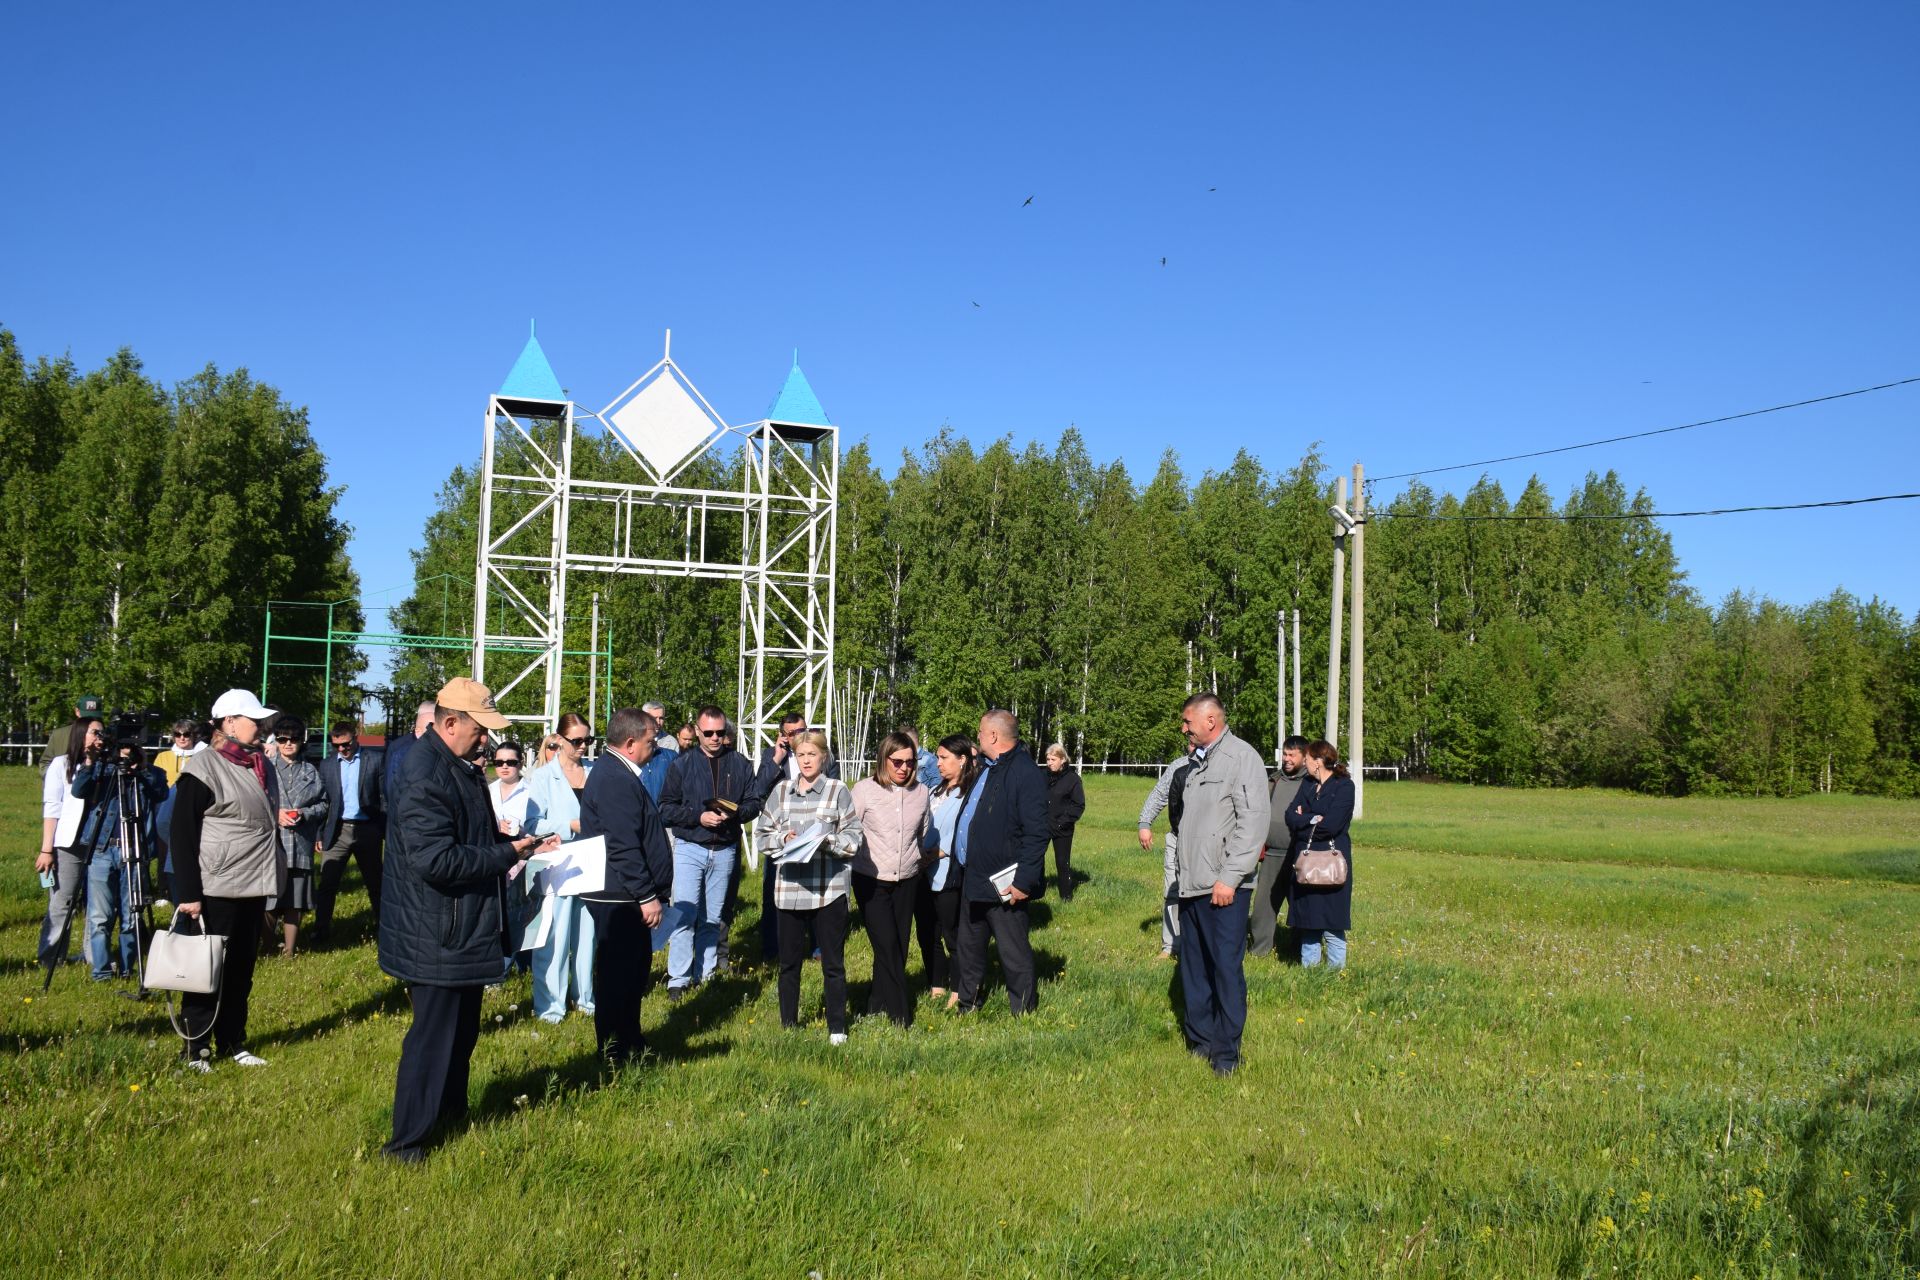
[[1002, 825], [1223, 826]]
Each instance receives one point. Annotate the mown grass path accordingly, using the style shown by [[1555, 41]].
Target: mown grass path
[[1582, 1034]]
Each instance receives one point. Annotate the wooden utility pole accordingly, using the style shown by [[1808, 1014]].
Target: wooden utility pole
[[1333, 634], [1357, 654]]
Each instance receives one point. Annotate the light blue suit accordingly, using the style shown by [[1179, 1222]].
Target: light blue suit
[[568, 952]]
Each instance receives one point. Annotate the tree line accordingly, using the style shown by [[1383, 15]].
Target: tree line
[[142, 530], [1089, 602]]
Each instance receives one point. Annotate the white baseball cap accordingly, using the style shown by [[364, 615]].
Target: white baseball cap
[[240, 702]]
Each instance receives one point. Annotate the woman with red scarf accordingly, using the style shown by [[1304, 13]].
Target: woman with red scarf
[[226, 864]]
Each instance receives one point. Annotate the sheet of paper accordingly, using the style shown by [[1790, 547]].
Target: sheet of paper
[[803, 846], [541, 925], [663, 932], [577, 867]]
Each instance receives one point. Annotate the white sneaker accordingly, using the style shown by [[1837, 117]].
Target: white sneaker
[[246, 1059], [201, 1065], [837, 1038]]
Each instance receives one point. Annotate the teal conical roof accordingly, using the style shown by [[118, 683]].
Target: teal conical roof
[[531, 377], [796, 402]]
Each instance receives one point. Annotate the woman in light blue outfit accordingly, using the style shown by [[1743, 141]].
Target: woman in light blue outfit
[[936, 912], [566, 959]]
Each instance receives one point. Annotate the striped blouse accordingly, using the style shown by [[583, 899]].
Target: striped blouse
[[809, 885]]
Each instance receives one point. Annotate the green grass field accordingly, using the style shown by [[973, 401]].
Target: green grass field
[[1582, 1033]]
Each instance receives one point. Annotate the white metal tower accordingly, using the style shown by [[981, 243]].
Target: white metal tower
[[773, 533]]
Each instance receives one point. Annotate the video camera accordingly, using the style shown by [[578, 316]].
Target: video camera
[[130, 729]]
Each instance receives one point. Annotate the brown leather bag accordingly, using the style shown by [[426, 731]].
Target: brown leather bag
[[1321, 868]]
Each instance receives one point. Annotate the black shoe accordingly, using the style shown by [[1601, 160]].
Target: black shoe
[[676, 994], [403, 1155], [1224, 1069]]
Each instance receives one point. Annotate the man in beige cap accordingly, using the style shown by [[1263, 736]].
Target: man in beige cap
[[443, 926]]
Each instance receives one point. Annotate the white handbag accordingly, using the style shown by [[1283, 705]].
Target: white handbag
[[185, 961]]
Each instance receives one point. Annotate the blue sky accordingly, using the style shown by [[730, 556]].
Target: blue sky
[[1440, 232]]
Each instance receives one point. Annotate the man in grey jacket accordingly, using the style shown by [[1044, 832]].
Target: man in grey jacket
[[1223, 826], [1276, 864]]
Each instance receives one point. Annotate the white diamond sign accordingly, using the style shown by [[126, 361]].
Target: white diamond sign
[[663, 424]]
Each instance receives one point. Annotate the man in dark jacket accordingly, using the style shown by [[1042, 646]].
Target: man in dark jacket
[[1276, 862], [444, 930], [615, 805], [1002, 824], [355, 823], [709, 794]]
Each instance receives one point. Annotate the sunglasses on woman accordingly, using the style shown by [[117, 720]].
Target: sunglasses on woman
[[506, 762], [900, 762], [578, 742]]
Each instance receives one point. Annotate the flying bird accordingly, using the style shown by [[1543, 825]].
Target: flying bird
[[1213, 188], [1026, 202], [976, 304], [1163, 262]]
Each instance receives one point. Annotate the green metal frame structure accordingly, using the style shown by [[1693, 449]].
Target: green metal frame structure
[[334, 637]]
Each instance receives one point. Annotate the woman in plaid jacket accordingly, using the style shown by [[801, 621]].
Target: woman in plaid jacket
[[810, 888]]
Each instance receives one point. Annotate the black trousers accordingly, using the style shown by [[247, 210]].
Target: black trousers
[[431, 1085], [887, 908], [936, 918], [769, 920], [622, 971], [1063, 862], [827, 926], [239, 920], [1008, 925], [361, 841]]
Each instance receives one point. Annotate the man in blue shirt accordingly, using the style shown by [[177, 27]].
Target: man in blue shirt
[[355, 823]]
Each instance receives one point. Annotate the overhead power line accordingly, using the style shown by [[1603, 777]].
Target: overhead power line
[[1641, 515], [1659, 431]]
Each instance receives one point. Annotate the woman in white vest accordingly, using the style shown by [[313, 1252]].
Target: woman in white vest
[[226, 864]]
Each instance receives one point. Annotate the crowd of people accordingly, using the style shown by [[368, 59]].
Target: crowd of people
[[946, 842]]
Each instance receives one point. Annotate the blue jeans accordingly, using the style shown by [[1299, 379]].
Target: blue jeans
[[107, 905], [568, 954], [700, 876], [1336, 943]]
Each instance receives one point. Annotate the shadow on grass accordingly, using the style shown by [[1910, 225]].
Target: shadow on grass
[[382, 1001], [1898, 864], [348, 930], [1866, 1121], [713, 1004]]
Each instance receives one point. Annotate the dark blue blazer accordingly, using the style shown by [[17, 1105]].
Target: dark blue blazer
[[373, 791], [1009, 825], [615, 805]]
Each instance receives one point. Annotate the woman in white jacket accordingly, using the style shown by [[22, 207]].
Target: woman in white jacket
[[62, 866]]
